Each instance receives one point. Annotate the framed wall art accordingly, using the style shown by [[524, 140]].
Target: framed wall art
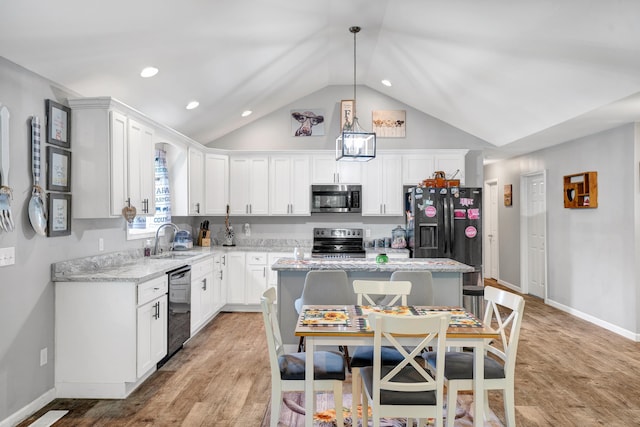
[[307, 122], [58, 170], [390, 123], [507, 195], [58, 124], [59, 220], [347, 109]]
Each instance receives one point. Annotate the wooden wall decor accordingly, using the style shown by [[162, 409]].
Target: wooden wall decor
[[581, 190], [507, 194]]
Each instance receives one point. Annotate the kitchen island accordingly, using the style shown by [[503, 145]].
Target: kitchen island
[[447, 281]]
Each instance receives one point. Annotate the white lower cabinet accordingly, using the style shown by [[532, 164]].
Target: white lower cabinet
[[203, 294], [272, 257], [152, 334], [108, 336], [246, 279]]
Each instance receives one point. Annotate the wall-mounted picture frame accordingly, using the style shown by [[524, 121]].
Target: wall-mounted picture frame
[[58, 170], [307, 122], [58, 124], [507, 195], [347, 110], [59, 219], [390, 123]]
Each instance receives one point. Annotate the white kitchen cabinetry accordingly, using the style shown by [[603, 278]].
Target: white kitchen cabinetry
[[216, 183], [108, 336], [196, 181], [289, 189], [246, 280], [272, 257], [418, 167], [113, 159], [326, 170], [249, 185], [235, 277], [203, 294], [256, 277], [382, 186], [219, 282]]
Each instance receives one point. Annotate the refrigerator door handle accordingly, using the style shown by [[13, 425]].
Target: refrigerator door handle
[[445, 205], [452, 235]]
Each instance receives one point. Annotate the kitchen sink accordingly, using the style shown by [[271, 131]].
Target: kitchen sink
[[176, 255]]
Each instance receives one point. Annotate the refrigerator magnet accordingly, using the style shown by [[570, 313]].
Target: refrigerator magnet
[[430, 211], [471, 232]]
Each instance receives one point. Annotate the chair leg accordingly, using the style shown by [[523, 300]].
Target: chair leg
[[509, 406], [301, 345], [345, 352], [337, 400], [276, 404], [365, 407], [356, 396], [452, 402]]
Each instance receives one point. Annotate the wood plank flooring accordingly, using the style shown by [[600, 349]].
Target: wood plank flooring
[[569, 373]]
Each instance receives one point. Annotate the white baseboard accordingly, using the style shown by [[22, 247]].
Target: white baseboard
[[31, 408], [598, 322], [509, 285]]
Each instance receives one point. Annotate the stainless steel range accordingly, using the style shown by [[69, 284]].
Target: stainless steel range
[[338, 243]]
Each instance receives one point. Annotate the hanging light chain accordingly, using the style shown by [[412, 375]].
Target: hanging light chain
[[354, 31]]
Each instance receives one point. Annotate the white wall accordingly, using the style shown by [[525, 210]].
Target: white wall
[[591, 252]]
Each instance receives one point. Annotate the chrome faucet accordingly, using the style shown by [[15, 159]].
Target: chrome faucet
[[169, 224]]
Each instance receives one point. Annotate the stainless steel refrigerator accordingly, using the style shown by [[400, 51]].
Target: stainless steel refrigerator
[[446, 223]]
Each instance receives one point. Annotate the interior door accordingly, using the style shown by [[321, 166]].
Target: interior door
[[491, 230], [535, 236]]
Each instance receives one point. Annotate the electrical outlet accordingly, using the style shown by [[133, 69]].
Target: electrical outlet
[[7, 256], [101, 244], [43, 356], [367, 232]]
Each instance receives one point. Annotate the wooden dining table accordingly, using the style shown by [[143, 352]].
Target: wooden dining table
[[347, 325]]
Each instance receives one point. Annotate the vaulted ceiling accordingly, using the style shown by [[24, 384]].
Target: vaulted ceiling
[[520, 75]]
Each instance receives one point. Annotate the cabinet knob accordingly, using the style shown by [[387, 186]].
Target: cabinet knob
[[204, 284]]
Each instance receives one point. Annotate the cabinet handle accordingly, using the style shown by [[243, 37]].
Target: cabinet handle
[[198, 207], [156, 314], [250, 208], [224, 260], [384, 208], [264, 271], [204, 284], [246, 208], [220, 274]]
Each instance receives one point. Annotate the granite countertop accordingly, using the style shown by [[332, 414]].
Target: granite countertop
[[416, 264], [126, 266]]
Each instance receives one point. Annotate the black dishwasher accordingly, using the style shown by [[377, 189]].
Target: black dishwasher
[[179, 308]]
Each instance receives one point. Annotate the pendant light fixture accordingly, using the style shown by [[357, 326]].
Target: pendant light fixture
[[354, 143]]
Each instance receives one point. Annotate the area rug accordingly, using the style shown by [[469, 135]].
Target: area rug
[[292, 412]]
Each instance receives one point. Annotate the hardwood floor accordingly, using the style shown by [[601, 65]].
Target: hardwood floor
[[569, 373]]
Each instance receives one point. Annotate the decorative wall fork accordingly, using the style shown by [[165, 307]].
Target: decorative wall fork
[[6, 194]]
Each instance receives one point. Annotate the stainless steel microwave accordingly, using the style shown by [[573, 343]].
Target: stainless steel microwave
[[343, 198]]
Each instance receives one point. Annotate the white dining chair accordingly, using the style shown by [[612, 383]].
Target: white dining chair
[[288, 370], [499, 362], [407, 389], [366, 290]]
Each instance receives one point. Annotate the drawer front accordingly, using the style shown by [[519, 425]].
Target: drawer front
[[256, 258], [201, 268], [152, 289]]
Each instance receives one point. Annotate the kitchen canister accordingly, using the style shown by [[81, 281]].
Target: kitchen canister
[[298, 254]]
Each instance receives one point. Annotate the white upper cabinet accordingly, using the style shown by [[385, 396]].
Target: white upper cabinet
[[289, 188], [113, 159], [216, 185], [382, 186], [249, 185], [418, 167], [326, 170], [196, 181]]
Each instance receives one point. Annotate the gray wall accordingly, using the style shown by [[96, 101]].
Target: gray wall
[[26, 292], [273, 131], [591, 252]]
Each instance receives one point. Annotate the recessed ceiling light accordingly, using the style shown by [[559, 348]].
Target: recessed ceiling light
[[386, 82], [246, 113], [193, 104], [148, 72]]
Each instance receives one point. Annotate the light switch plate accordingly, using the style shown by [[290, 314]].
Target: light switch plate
[[7, 256]]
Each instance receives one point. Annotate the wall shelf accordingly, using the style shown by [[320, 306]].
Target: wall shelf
[[581, 190]]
